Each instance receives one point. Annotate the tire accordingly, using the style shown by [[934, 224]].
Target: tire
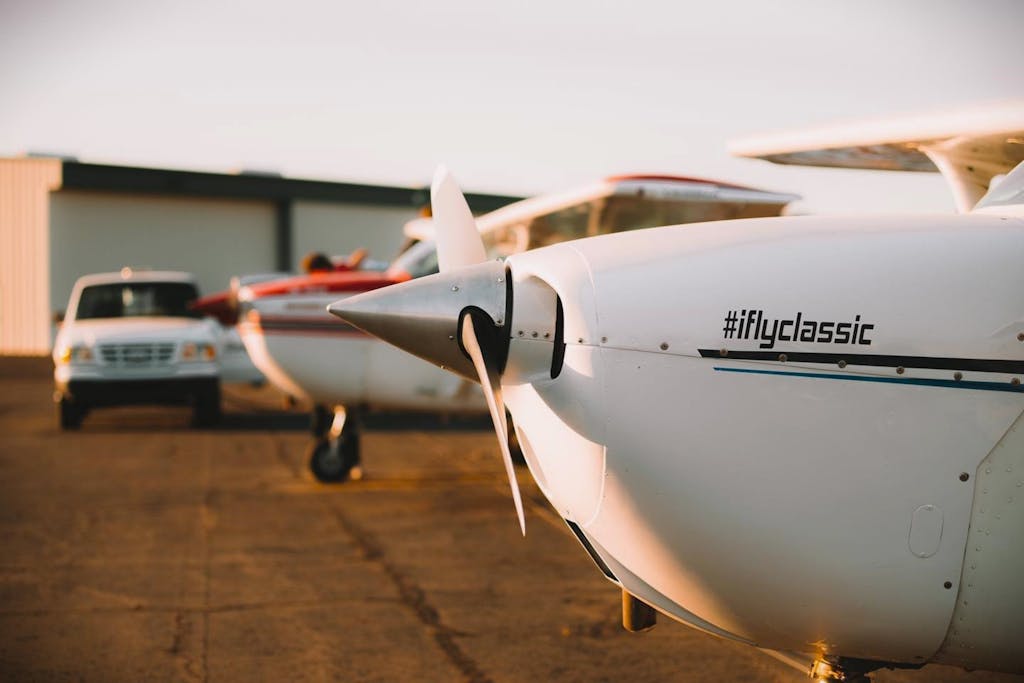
[[206, 410], [70, 414], [332, 461]]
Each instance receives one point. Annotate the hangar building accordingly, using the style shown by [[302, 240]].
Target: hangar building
[[60, 219]]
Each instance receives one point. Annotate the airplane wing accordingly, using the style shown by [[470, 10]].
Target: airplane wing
[[969, 146]]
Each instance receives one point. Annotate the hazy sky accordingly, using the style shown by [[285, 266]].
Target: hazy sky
[[515, 97]]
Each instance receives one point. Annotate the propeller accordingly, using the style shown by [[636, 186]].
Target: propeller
[[458, 239], [490, 380], [459, 244], [458, 315]]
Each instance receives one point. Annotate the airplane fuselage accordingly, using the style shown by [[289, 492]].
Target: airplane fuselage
[[310, 354]]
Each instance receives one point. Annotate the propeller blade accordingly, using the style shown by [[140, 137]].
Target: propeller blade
[[490, 380], [458, 239]]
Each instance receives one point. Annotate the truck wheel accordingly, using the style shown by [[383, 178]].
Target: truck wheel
[[70, 414], [206, 409]]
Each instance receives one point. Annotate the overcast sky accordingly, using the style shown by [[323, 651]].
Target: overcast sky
[[516, 97]]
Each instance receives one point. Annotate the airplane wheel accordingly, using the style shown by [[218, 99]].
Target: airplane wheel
[[70, 414], [333, 461]]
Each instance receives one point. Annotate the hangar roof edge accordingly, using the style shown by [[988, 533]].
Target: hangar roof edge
[[110, 178]]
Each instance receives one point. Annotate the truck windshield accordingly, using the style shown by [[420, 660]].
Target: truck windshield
[[137, 299]]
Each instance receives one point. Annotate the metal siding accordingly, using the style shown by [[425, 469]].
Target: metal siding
[[215, 239], [340, 228], [25, 185], [159, 217]]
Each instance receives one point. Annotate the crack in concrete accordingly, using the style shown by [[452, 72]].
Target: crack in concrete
[[413, 597], [207, 521], [410, 594], [180, 632], [178, 648]]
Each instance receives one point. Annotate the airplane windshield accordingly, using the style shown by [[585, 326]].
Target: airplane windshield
[[600, 216], [619, 213], [418, 260], [570, 223], [1007, 192], [635, 212], [421, 258], [124, 300]]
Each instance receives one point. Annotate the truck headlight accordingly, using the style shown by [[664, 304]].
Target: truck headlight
[[76, 354], [192, 351], [198, 351]]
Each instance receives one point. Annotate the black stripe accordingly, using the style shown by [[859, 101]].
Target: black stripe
[[928, 362], [585, 542]]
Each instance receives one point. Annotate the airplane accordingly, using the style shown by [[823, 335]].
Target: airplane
[[309, 354], [802, 433]]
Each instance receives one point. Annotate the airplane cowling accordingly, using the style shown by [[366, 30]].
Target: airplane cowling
[[783, 494], [986, 630], [555, 393]]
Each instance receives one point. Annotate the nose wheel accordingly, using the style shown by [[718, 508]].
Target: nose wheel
[[850, 669], [334, 454]]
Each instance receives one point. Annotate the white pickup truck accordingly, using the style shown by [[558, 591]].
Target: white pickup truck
[[132, 338]]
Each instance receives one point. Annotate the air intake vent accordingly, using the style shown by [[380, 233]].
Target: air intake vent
[[558, 353]]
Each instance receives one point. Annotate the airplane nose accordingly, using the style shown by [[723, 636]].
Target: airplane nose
[[423, 316]]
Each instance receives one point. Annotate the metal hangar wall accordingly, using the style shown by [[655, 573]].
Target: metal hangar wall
[[60, 219]]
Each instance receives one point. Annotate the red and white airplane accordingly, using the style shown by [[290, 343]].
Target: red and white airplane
[[805, 433], [310, 354]]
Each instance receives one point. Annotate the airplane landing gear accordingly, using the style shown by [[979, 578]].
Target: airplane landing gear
[[334, 455], [637, 615], [851, 669], [320, 420]]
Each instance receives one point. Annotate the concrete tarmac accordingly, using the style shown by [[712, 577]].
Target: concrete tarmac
[[139, 549]]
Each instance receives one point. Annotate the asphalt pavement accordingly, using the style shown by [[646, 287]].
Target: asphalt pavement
[[140, 549]]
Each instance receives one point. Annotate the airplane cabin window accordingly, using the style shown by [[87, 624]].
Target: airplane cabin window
[[632, 212], [757, 210], [506, 240], [568, 224]]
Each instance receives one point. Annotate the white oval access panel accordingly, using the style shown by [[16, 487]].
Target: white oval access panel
[[926, 531]]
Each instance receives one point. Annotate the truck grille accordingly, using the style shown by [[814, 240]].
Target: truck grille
[[137, 355]]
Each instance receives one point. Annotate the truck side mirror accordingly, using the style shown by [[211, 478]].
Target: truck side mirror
[[58, 317]]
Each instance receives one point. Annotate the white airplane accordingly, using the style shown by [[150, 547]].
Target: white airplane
[[803, 433], [308, 353]]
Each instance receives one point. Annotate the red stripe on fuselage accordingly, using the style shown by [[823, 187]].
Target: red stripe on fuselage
[[317, 283]]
